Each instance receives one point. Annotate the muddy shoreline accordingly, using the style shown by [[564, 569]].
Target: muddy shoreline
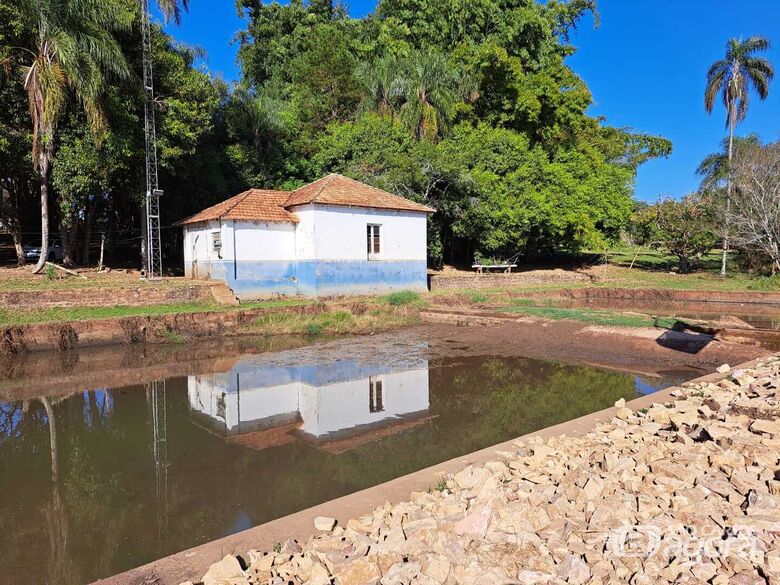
[[640, 350]]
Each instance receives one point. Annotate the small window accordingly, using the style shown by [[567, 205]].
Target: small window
[[375, 402], [373, 241], [216, 241]]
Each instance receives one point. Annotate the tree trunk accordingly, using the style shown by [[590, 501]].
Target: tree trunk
[[16, 235], [684, 265], [44, 158], [732, 105], [88, 221], [67, 237]]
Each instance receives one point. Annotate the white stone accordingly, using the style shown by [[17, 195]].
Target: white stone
[[324, 523]]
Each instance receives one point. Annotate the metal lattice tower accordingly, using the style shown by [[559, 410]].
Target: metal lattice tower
[[153, 244]]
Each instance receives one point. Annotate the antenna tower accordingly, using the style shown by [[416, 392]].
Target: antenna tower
[[153, 245]]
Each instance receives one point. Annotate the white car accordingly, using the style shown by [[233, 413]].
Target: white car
[[55, 252]]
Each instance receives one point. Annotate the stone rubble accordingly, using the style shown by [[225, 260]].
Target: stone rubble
[[683, 492]]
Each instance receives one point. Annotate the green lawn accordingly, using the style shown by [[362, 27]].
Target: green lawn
[[15, 317], [585, 315]]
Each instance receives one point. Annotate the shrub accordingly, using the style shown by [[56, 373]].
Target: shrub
[[403, 297]]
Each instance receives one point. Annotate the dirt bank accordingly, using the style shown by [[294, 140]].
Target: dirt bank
[[639, 349], [645, 351], [658, 294]]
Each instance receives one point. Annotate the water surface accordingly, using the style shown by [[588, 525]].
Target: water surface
[[103, 480]]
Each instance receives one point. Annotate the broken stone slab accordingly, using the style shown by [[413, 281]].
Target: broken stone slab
[[223, 571], [324, 523]]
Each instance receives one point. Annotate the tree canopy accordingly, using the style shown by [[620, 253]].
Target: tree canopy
[[468, 106]]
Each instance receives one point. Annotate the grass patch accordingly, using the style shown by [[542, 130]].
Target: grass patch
[[337, 322], [765, 283], [173, 337], [15, 317], [589, 316], [476, 297], [400, 298]]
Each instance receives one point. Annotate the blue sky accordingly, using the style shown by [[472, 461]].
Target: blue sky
[[645, 65]]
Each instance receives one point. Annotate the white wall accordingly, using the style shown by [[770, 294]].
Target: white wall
[[252, 242], [198, 251], [256, 241], [339, 233]]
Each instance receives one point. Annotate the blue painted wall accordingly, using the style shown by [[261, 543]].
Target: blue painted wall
[[321, 277]]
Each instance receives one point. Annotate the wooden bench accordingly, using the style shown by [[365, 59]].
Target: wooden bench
[[507, 268]]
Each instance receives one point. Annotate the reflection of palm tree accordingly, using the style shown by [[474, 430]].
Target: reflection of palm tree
[[56, 518]]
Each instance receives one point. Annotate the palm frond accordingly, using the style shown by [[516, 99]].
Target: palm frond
[[715, 78]]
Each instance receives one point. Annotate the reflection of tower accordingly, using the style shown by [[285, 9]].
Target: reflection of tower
[[155, 397]]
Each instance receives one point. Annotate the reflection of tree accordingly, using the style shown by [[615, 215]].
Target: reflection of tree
[[55, 513]]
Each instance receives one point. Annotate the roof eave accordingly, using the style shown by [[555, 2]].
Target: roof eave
[[324, 203]]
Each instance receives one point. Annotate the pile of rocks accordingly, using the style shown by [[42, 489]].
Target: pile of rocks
[[684, 492]]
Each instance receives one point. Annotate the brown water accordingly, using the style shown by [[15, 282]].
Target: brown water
[[105, 479]]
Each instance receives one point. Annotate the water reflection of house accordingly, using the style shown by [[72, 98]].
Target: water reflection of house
[[336, 406]]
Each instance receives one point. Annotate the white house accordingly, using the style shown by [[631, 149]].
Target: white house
[[333, 236], [263, 405]]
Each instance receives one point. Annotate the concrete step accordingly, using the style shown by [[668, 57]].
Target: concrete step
[[222, 293]]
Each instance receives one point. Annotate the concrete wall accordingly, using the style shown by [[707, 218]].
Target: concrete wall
[[324, 254]]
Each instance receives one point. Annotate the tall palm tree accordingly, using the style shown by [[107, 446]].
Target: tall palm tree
[[732, 78], [72, 49], [429, 91], [714, 168]]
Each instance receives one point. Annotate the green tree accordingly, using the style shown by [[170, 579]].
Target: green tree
[[731, 79], [428, 86], [381, 84], [687, 228], [72, 48]]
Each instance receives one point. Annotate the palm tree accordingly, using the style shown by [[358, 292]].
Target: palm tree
[[71, 50], [732, 78], [713, 169], [382, 85], [429, 91], [172, 9]]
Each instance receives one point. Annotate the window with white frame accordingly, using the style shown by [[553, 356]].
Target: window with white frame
[[373, 243], [216, 241]]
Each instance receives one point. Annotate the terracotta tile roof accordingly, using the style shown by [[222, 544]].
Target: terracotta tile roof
[[273, 206], [252, 205], [340, 190]]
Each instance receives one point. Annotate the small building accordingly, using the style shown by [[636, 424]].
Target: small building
[[333, 236]]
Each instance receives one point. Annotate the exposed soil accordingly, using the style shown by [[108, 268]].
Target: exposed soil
[[639, 349], [645, 351]]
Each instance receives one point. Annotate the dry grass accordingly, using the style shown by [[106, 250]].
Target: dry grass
[[359, 319]]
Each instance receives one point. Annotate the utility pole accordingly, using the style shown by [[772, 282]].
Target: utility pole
[[154, 269]]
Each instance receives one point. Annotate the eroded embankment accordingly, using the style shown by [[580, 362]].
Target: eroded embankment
[[641, 350]]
